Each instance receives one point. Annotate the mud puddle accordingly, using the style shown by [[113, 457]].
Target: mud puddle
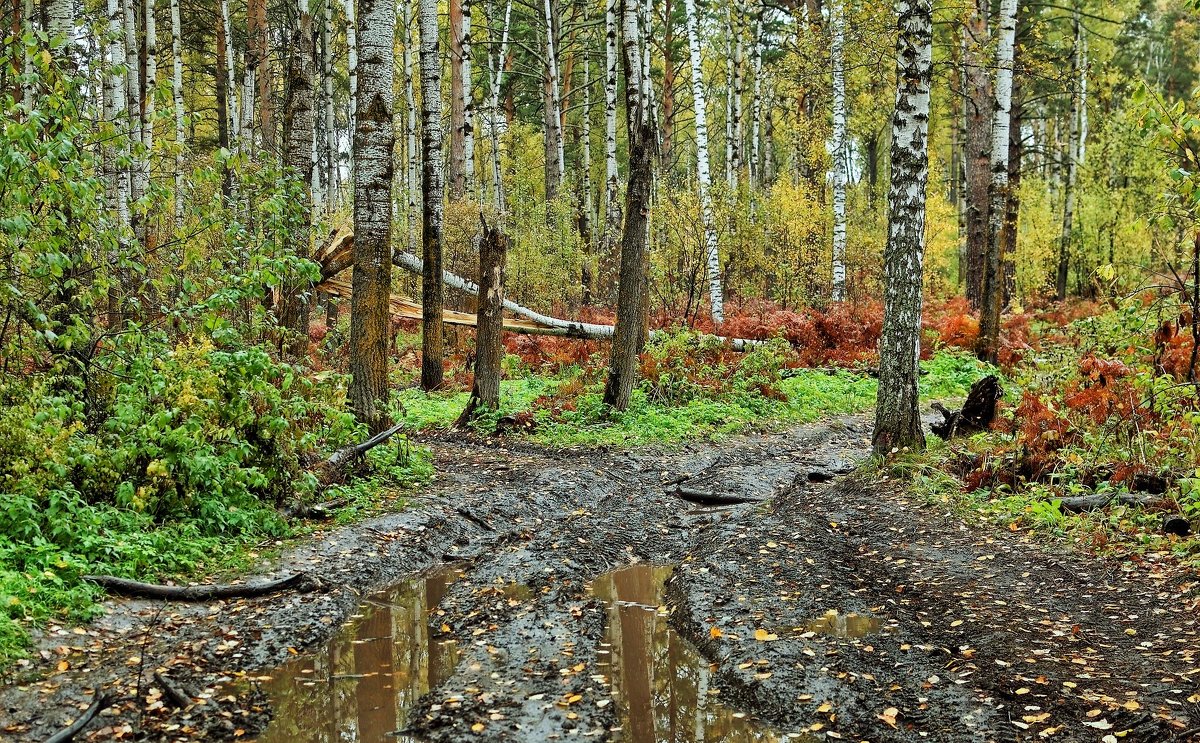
[[663, 687], [360, 686]]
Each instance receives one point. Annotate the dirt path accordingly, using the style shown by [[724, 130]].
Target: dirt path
[[548, 595]]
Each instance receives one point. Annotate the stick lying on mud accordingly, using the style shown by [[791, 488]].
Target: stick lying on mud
[[99, 703], [711, 497], [173, 691], [133, 588]]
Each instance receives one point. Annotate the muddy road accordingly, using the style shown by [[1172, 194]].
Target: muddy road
[[531, 595]]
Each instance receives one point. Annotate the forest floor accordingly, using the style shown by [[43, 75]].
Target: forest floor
[[536, 594]]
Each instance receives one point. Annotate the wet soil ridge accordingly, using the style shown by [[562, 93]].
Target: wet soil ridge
[[533, 595]]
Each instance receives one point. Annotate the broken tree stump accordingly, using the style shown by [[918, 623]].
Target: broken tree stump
[[976, 414]]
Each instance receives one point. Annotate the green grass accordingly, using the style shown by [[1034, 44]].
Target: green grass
[[810, 396]]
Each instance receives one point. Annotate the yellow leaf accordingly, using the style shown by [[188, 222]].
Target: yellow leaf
[[763, 636], [1022, 690], [714, 632], [63, 665], [825, 707], [478, 727], [889, 716]]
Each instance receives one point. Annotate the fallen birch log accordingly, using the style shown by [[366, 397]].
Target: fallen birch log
[[336, 257], [137, 589]]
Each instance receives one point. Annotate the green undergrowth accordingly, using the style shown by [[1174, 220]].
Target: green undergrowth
[[679, 402]]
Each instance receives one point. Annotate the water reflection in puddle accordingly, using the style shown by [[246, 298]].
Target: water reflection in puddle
[[845, 625], [663, 686], [363, 682]]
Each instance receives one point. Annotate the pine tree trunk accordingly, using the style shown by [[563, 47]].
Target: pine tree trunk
[[837, 24], [703, 173], [256, 20], [977, 143], [374, 141], [489, 323], [432, 341], [897, 420], [299, 122], [629, 334], [177, 96], [993, 291]]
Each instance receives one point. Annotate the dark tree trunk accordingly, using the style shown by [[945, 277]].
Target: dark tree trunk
[[298, 124], [489, 323], [978, 104], [222, 93], [256, 19]]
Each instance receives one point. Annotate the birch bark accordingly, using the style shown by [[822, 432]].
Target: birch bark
[[703, 174], [837, 24], [993, 281], [555, 162], [612, 185], [177, 96], [897, 421], [494, 110], [374, 140]]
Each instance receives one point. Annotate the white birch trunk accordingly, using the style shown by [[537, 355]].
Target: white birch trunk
[[133, 97], [612, 183], [468, 101], [587, 148], [703, 174], [993, 291], [60, 22], [554, 117], [329, 113], [410, 133], [1083, 95], [897, 420], [148, 109], [28, 14], [730, 173], [230, 86], [494, 110], [352, 57], [756, 101], [837, 22], [739, 90], [177, 96]]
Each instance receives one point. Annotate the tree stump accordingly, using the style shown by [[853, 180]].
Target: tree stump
[[976, 414]]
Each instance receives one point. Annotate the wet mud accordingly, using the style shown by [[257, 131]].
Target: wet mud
[[531, 595]]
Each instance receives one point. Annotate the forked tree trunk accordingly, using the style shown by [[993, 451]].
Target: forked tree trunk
[[629, 334], [977, 143], [703, 174], [298, 124], [432, 295], [489, 324], [177, 95], [374, 140], [993, 281], [897, 421], [837, 24]]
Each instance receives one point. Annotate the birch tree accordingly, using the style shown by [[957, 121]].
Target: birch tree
[[612, 185], [412, 172], [468, 103], [177, 97], [494, 109], [703, 174], [756, 102], [897, 420], [148, 105], [555, 162], [1072, 165], [117, 113], [233, 113], [456, 180], [330, 159], [629, 333], [993, 281], [432, 342], [374, 140], [352, 58], [837, 24]]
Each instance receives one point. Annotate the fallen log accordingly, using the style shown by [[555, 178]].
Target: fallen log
[[332, 470], [317, 510], [1078, 503], [99, 703], [335, 258], [711, 497], [976, 414], [137, 589]]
